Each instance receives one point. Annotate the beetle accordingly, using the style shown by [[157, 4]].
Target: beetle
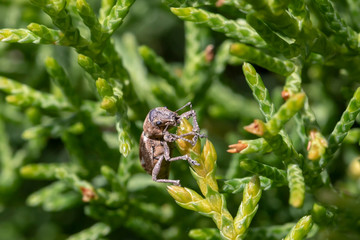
[[154, 150]]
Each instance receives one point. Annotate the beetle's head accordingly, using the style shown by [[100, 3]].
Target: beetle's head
[[162, 118]]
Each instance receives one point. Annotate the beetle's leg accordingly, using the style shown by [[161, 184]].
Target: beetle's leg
[[195, 138], [189, 114], [170, 137], [155, 173], [192, 133], [166, 151], [196, 128], [184, 157]]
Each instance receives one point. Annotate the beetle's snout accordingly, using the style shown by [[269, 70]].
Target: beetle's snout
[[171, 121], [177, 119]]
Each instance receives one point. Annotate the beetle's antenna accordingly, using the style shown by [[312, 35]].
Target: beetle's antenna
[[188, 104]]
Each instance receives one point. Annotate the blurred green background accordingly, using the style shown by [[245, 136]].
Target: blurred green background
[[225, 109]]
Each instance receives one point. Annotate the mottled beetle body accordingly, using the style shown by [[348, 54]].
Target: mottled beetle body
[[154, 152], [149, 159]]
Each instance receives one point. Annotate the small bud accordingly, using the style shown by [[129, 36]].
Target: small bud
[[189, 199], [33, 133], [104, 87], [40, 171], [237, 147], [144, 51], [83, 6], [248, 206], [219, 3], [34, 27], [88, 194], [18, 100], [237, 49], [297, 101], [216, 201], [77, 128], [257, 128], [205, 173], [321, 215], [253, 186], [354, 168], [209, 53], [185, 12], [202, 206], [209, 156], [249, 69], [296, 185], [305, 223], [125, 148], [353, 136], [180, 194], [178, 71], [109, 104], [184, 127], [84, 60], [184, 146], [285, 95], [316, 146], [284, 114], [34, 115], [47, 35], [5, 33], [188, 13], [51, 63], [26, 171], [301, 229]]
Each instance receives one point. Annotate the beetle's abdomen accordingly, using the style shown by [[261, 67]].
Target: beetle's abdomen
[[150, 152]]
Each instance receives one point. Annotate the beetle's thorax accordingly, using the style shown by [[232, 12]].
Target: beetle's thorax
[[151, 131]]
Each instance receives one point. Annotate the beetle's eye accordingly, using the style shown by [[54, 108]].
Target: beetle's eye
[[158, 123]]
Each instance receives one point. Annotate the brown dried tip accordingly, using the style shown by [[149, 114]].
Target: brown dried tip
[[313, 134], [178, 72], [88, 194], [285, 95], [209, 53], [308, 145], [238, 147], [256, 128], [219, 3], [312, 137]]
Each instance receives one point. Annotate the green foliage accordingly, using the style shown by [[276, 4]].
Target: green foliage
[[301, 229], [77, 79]]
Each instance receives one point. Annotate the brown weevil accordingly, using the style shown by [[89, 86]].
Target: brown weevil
[[154, 150]]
